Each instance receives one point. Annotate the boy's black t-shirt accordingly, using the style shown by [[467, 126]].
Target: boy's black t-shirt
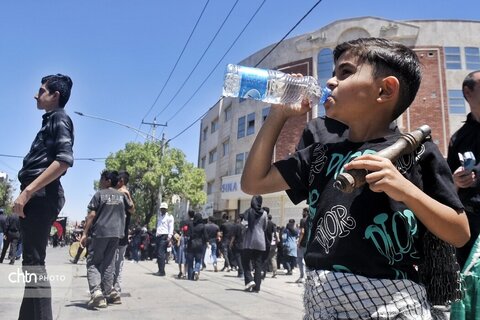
[[364, 232]]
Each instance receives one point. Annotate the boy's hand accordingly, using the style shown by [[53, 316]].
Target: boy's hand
[[292, 110], [464, 178], [383, 176]]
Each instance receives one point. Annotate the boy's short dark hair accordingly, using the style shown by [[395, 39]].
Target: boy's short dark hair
[[125, 176], [387, 58], [61, 83], [469, 82], [111, 175]]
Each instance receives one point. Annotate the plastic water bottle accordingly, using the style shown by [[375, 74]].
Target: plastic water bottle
[[271, 86]]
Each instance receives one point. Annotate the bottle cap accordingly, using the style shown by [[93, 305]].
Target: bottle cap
[[326, 92]]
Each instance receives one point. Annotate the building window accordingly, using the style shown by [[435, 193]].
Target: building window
[[472, 58], [241, 127], [214, 125], [205, 132], [250, 124], [228, 113], [325, 66], [225, 147], [209, 187], [203, 162], [456, 102], [240, 162], [265, 112], [212, 156], [452, 58]]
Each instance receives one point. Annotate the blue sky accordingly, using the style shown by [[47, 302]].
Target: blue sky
[[120, 54]]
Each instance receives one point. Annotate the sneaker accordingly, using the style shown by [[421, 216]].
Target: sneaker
[[300, 280], [196, 275], [114, 298], [180, 275], [274, 275], [160, 274], [249, 286], [97, 300], [289, 273]]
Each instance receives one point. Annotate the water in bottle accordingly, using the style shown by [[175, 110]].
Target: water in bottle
[[271, 86]]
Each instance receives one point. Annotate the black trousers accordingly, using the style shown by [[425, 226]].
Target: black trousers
[[252, 258], [162, 244], [40, 212]]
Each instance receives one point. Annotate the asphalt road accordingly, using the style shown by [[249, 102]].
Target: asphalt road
[[217, 295]]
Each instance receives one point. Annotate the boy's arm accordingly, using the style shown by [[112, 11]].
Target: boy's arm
[[259, 175], [54, 170], [443, 221], [88, 224]]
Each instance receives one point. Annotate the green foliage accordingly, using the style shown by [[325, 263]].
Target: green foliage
[[146, 164], [6, 191]]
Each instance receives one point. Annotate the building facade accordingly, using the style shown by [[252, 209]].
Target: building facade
[[448, 51]]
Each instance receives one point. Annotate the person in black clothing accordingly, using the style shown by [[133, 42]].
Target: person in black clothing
[[237, 245], [466, 139], [197, 240], [212, 232], [42, 198], [114, 298], [12, 238], [271, 238], [228, 230], [3, 229]]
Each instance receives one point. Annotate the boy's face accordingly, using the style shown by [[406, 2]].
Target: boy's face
[[354, 90], [46, 100], [104, 182], [473, 96]]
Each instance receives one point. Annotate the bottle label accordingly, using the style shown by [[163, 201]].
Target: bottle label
[[253, 84]]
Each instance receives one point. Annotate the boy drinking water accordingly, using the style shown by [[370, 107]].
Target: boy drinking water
[[362, 247]]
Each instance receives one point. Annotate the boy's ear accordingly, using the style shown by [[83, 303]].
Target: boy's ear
[[389, 88]]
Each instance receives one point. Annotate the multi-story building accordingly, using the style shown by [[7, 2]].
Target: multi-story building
[[448, 50]]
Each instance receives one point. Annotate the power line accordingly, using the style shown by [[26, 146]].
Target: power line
[[268, 53], [178, 59], [288, 33], [81, 159], [214, 68], [200, 59]]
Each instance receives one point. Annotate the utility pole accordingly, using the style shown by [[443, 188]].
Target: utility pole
[[160, 187], [154, 126]]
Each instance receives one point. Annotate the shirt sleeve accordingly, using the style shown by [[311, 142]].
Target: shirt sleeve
[[62, 128], [437, 177], [94, 202], [295, 171]]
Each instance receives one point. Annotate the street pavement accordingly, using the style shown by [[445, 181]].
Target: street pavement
[[216, 295]]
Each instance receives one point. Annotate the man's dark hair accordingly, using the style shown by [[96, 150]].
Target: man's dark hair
[[266, 209], [225, 216], [124, 176], [61, 83], [387, 58], [469, 82], [191, 213], [111, 175], [269, 216]]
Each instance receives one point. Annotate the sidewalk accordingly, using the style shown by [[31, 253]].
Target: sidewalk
[[217, 295]]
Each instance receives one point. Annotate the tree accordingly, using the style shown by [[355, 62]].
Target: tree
[[146, 164], [6, 191]]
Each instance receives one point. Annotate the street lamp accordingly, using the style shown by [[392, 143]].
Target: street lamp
[[141, 133]]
